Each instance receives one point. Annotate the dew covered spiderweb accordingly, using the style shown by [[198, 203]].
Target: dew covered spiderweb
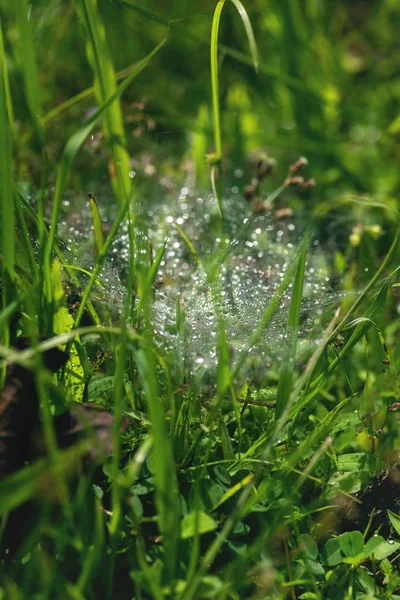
[[259, 249]]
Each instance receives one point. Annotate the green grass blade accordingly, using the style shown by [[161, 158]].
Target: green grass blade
[[215, 175], [199, 145], [269, 312], [105, 85], [214, 79], [71, 150], [100, 262], [366, 322], [249, 31], [98, 232], [289, 358], [27, 56], [25, 484], [273, 72], [4, 77], [6, 193], [167, 496], [149, 280]]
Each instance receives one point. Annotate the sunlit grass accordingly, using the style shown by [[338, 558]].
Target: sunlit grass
[[219, 485]]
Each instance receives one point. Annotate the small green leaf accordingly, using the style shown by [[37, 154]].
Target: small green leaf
[[395, 521], [196, 523], [332, 554], [352, 546], [308, 545], [379, 547], [360, 461]]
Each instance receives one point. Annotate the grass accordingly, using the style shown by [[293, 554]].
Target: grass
[[252, 474]]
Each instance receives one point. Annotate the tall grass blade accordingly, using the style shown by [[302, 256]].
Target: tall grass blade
[[5, 81], [199, 145], [249, 31], [100, 262], [273, 72], [268, 313], [71, 150], [6, 196], [289, 358], [105, 85], [27, 56], [145, 288], [167, 496], [98, 232], [214, 80]]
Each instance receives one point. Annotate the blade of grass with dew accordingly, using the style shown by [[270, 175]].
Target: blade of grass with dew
[[388, 258], [313, 385], [100, 262], [71, 150], [295, 396], [145, 288], [27, 58], [26, 244], [98, 233], [268, 313], [362, 325], [288, 363], [190, 246], [216, 185], [167, 495], [69, 268], [224, 372], [119, 390], [105, 85]]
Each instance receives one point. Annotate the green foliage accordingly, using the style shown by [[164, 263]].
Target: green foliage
[[247, 477]]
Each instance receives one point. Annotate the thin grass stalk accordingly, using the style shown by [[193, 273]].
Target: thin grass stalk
[[167, 494], [289, 358], [27, 55], [386, 261], [6, 213], [100, 262], [71, 150], [69, 268], [105, 86], [4, 79], [275, 73], [116, 492], [214, 79]]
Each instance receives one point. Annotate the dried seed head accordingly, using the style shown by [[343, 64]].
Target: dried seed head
[[297, 180], [299, 164], [283, 213], [309, 183], [265, 166]]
